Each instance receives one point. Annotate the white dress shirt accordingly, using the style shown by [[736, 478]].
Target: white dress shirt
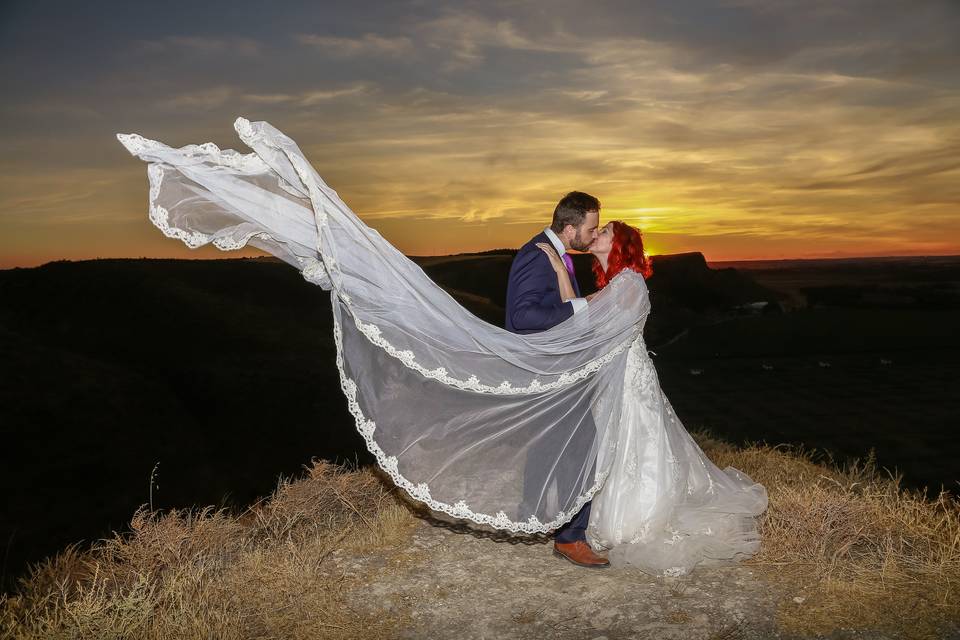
[[579, 304]]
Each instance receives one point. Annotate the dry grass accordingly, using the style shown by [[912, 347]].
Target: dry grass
[[860, 551], [264, 573], [849, 546]]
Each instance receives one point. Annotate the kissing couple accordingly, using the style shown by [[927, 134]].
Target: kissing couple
[[555, 424]]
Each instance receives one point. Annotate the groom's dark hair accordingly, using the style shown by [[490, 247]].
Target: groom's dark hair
[[572, 209]]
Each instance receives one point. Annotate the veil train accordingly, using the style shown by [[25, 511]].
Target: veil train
[[473, 421]]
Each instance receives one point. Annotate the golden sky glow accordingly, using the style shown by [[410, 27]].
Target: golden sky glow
[[743, 130]]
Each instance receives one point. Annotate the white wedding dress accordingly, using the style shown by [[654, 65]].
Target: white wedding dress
[[514, 432], [665, 506]]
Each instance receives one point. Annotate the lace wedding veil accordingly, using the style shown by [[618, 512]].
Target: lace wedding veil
[[474, 421]]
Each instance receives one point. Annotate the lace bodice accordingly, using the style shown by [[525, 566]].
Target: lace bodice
[[640, 374]]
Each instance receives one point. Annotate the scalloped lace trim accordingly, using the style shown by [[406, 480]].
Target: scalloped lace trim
[[312, 269], [421, 491], [137, 144], [160, 217], [408, 358], [244, 129]]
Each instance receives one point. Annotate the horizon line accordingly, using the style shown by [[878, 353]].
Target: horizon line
[[504, 250]]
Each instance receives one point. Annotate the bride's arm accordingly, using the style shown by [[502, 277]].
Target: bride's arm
[[563, 277]]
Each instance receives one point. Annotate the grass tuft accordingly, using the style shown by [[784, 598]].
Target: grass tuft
[[208, 573], [850, 546]]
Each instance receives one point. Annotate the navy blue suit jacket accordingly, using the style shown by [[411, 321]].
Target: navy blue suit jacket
[[533, 295]]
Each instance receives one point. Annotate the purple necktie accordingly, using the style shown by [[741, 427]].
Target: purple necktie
[[567, 260]]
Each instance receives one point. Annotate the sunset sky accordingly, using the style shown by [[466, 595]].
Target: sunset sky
[[742, 129]]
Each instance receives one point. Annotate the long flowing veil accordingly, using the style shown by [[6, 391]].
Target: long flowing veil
[[472, 420]]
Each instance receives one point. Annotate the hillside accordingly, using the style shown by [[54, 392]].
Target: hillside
[[921, 282], [111, 366], [99, 382], [685, 288]]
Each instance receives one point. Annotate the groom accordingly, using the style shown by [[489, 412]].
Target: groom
[[534, 304]]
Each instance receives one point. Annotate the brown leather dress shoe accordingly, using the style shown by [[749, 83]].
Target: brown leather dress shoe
[[580, 553]]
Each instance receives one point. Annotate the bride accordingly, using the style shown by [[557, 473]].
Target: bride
[[468, 418], [665, 506]]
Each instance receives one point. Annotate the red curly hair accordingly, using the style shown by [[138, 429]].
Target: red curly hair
[[626, 253]]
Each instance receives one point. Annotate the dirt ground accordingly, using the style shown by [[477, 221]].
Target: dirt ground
[[453, 583]]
